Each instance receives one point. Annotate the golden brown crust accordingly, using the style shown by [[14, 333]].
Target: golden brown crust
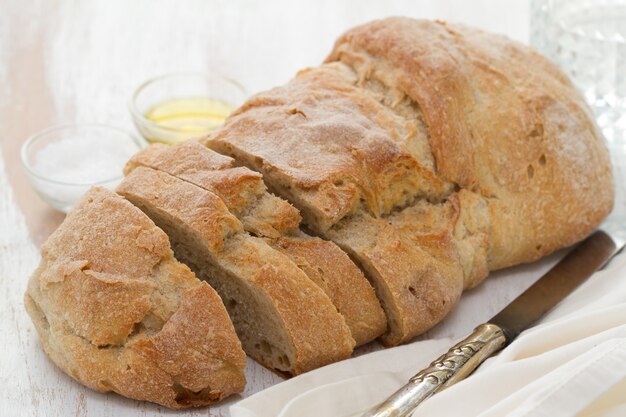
[[317, 332], [534, 152], [263, 214], [113, 309], [414, 121], [181, 348]]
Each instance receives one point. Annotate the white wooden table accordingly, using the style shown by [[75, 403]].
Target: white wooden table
[[69, 61]]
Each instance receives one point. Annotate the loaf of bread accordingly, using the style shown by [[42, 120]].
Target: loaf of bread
[[117, 312], [265, 215], [282, 318], [416, 159], [432, 154]]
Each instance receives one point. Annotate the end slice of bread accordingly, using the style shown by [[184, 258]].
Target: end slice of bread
[[117, 312]]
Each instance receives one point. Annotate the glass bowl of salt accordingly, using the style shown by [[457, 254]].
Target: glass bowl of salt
[[63, 162]]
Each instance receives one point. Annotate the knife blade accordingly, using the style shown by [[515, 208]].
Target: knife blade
[[490, 337]]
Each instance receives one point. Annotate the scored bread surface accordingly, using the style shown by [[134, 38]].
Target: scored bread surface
[[283, 319], [117, 312]]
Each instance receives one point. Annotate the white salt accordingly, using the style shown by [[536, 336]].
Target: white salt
[[83, 161], [68, 167]]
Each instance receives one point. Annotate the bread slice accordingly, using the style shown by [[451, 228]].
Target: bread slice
[[266, 215], [335, 273], [117, 312], [283, 319]]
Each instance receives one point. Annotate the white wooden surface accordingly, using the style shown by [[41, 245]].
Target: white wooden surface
[[65, 61]]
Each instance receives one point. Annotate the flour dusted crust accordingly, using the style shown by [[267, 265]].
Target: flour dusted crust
[[265, 215], [117, 312], [432, 153]]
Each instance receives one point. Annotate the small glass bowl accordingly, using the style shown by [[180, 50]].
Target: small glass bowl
[[180, 87], [63, 162]]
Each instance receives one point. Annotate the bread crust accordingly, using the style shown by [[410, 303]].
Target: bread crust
[[114, 310], [503, 122]]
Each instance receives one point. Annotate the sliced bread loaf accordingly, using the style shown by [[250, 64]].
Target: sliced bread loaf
[[117, 312], [266, 215], [283, 319], [412, 120]]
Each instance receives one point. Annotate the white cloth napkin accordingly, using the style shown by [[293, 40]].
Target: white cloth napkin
[[571, 364]]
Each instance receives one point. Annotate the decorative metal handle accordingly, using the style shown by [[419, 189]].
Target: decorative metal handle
[[460, 361]]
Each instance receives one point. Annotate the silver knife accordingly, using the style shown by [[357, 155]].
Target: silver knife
[[488, 338]]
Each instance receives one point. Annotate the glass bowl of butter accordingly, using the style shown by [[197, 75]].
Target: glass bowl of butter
[[63, 162], [176, 107]]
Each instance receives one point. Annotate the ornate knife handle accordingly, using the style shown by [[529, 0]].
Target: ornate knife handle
[[460, 361]]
